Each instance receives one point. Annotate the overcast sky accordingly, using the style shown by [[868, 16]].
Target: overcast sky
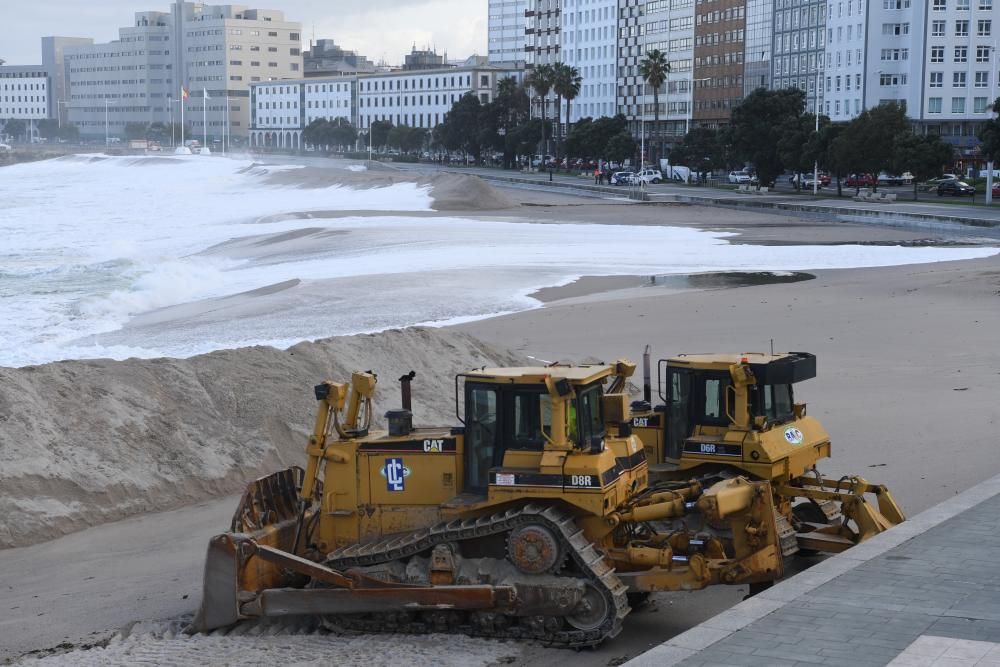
[[377, 28]]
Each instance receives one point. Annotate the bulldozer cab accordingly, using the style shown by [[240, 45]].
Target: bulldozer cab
[[715, 407], [513, 415]]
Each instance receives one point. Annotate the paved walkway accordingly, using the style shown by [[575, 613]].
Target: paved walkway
[[924, 593]]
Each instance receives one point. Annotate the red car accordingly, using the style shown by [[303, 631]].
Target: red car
[[860, 181], [996, 189]]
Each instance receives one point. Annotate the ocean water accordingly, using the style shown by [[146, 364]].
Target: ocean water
[[120, 257]]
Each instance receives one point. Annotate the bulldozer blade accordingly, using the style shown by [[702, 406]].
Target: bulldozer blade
[[269, 514], [219, 596]]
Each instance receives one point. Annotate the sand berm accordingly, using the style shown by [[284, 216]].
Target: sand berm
[[88, 442]]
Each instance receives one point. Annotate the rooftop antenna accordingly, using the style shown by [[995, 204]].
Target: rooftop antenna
[[772, 347]]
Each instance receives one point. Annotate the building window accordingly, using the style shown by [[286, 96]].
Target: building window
[[934, 105], [982, 80], [937, 54], [937, 28], [958, 80], [958, 105], [984, 27], [961, 54], [940, 6], [892, 4], [982, 54], [962, 5], [979, 105], [961, 28], [936, 80], [986, 4]]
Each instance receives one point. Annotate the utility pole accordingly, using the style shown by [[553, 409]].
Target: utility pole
[[816, 115]]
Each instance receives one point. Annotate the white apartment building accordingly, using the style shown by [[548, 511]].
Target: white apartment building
[[589, 43], [422, 98], [937, 56], [506, 31], [419, 98], [959, 73], [848, 57], [218, 49], [666, 25], [281, 110], [24, 93]]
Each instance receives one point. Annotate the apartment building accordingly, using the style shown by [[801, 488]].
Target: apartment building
[[543, 32], [506, 38], [958, 79], [799, 48], [422, 98], [281, 110], [848, 57], [719, 53], [25, 93], [589, 43], [667, 26], [218, 50]]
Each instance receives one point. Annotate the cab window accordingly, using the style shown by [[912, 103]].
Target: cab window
[[532, 420], [713, 400], [590, 420], [778, 403]]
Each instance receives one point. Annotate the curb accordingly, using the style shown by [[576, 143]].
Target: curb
[[689, 643]]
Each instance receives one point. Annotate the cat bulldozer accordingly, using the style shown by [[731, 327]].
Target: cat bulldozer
[[533, 519], [726, 415]]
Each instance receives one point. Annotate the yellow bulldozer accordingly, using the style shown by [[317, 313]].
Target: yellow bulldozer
[[535, 518], [724, 415]]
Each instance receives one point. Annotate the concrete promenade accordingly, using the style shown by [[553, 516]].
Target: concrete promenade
[[924, 593], [986, 220]]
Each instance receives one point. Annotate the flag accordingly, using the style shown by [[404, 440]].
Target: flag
[[204, 92], [184, 93]]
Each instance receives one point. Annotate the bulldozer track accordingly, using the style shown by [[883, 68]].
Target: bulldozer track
[[548, 630]]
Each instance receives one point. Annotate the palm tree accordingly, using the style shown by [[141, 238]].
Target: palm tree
[[566, 83], [540, 79], [654, 69]]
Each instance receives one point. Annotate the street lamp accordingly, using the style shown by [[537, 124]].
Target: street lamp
[[107, 136]]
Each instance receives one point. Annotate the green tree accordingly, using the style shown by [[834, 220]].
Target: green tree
[[48, 128], [654, 70], [135, 131], [69, 133], [620, 147], [524, 138], [540, 80], [590, 137], [701, 148], [316, 133], [821, 146], [922, 156], [341, 133], [512, 108], [463, 126], [566, 83], [380, 133], [757, 127], [989, 135], [871, 138], [15, 128]]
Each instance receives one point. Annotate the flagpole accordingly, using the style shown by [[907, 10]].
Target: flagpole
[[204, 114], [183, 98]]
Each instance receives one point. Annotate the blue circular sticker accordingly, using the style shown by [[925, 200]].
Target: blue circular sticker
[[793, 435]]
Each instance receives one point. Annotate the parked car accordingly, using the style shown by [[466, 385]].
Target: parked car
[[996, 190], [807, 180], [739, 177], [860, 181], [4, 148], [622, 178], [889, 179], [650, 176], [955, 188]]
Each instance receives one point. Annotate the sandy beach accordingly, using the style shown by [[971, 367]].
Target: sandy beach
[[908, 380]]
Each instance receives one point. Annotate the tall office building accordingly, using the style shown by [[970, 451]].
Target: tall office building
[[667, 26], [757, 48], [53, 60], [216, 50], [589, 43], [799, 48], [719, 53], [506, 31]]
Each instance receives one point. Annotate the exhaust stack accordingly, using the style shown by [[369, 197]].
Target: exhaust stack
[[647, 389], [401, 421]]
